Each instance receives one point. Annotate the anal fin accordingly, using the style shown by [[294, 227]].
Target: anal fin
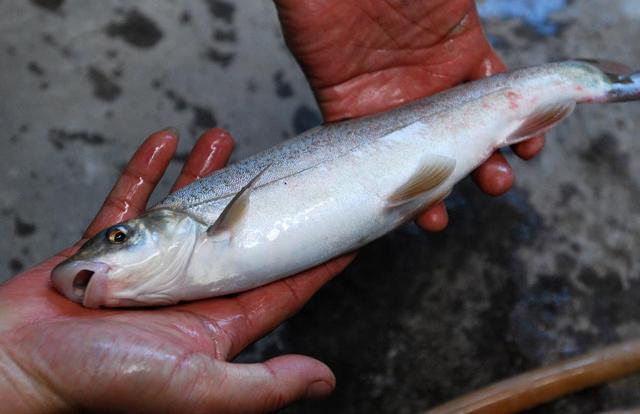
[[433, 171], [541, 120]]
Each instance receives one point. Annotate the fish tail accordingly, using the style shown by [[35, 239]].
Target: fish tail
[[622, 83], [627, 88]]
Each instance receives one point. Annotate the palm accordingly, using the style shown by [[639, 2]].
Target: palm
[[166, 359], [137, 351], [157, 356], [364, 57]]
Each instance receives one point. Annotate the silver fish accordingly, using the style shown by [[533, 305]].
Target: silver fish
[[326, 192]]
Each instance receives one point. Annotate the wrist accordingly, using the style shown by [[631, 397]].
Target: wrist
[[20, 391]]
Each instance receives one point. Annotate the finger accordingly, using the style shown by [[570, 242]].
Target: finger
[[130, 194], [211, 152], [267, 386], [251, 315], [529, 148], [494, 176], [435, 219]]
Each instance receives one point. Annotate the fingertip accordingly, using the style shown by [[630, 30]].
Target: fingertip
[[219, 136], [435, 219], [273, 384], [494, 176], [217, 143], [210, 153], [156, 152], [319, 390], [318, 379], [171, 130], [169, 134], [529, 148]]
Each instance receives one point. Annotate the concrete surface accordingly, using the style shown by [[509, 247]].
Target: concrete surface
[[545, 272]]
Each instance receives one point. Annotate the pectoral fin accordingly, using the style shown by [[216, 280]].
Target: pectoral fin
[[542, 119], [236, 208], [434, 170]]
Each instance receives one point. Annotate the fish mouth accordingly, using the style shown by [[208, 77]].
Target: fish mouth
[[81, 281]]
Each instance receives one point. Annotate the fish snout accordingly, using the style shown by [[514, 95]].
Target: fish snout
[[81, 281]]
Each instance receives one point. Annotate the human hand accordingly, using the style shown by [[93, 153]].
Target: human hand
[[366, 57], [56, 355]]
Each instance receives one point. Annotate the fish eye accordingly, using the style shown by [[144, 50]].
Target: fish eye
[[117, 235]]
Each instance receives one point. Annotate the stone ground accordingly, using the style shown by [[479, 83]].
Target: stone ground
[[542, 273]]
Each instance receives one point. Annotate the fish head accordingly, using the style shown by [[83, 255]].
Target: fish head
[[139, 262]]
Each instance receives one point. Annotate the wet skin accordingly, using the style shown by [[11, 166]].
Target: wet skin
[[57, 355]]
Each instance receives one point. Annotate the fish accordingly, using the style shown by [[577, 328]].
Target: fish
[[328, 191]]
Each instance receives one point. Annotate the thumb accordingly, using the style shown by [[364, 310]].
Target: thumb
[[271, 385]]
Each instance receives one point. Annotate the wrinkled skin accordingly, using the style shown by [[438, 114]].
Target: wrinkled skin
[[58, 356]]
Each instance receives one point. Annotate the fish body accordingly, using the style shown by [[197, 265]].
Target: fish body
[[328, 191]]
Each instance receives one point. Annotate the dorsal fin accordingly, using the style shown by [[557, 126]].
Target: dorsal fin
[[541, 120], [433, 171], [236, 207]]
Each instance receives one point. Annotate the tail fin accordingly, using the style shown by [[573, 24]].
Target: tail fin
[[624, 83], [625, 88]]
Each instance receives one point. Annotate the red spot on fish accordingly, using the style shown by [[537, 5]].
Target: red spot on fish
[[513, 99]]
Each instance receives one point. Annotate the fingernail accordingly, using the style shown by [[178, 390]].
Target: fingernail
[[172, 130], [319, 389]]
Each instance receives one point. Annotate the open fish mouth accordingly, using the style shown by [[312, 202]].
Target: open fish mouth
[[81, 281]]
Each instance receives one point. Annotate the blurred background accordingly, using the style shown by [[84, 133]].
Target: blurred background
[[545, 272]]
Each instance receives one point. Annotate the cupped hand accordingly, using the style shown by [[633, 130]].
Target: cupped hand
[[362, 57], [56, 355]]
